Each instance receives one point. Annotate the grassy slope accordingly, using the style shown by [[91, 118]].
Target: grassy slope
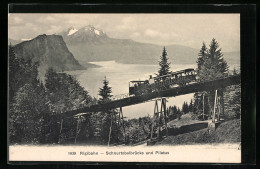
[[185, 120], [228, 131]]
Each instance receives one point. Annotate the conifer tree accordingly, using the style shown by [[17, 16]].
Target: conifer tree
[[211, 65], [107, 123], [179, 113], [191, 106], [105, 91], [164, 64], [202, 57], [185, 108]]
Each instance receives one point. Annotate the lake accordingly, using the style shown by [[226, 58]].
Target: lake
[[119, 75]]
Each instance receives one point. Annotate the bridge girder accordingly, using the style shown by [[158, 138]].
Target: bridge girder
[[190, 88]]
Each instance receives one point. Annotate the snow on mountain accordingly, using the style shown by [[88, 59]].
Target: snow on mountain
[[26, 39], [86, 30], [97, 32], [72, 31]]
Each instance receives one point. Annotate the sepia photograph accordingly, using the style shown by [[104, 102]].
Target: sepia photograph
[[124, 87]]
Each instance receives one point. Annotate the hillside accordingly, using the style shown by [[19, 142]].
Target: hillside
[[127, 51], [90, 44], [228, 131], [49, 51]]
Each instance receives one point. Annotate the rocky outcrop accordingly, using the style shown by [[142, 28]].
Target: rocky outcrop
[[49, 51]]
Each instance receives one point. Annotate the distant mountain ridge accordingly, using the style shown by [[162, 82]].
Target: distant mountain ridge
[[90, 44], [49, 51]]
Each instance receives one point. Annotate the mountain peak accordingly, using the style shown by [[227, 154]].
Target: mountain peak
[[89, 27], [93, 30], [85, 34]]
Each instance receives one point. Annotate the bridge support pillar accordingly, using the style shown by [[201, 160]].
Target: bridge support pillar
[[77, 129], [215, 105], [110, 129], [203, 106], [221, 103], [217, 110], [218, 106], [121, 122], [61, 125], [163, 106], [157, 119]]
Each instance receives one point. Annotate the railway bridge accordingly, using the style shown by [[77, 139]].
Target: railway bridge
[[126, 100]]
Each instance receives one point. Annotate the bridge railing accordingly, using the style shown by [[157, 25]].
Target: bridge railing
[[121, 96], [118, 97]]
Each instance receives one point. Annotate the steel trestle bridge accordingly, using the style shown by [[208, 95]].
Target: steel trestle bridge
[[126, 100]]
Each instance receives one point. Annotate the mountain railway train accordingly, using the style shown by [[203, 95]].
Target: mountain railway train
[[160, 83]]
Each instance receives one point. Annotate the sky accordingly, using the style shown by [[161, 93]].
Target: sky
[[162, 29]]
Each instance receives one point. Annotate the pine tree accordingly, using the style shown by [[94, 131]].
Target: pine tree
[[202, 57], [211, 65], [164, 64], [105, 92], [185, 108], [191, 106], [179, 113], [108, 117]]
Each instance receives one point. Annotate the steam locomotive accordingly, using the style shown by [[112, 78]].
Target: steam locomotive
[[160, 83]]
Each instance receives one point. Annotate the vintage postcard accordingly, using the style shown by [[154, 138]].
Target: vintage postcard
[[114, 87]]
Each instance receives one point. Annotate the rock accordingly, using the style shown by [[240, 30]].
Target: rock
[[49, 51]]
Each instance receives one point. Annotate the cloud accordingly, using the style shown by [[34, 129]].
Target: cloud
[[46, 20], [162, 29], [50, 19], [54, 29], [152, 33], [13, 21], [160, 34], [135, 35], [17, 20], [127, 24]]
